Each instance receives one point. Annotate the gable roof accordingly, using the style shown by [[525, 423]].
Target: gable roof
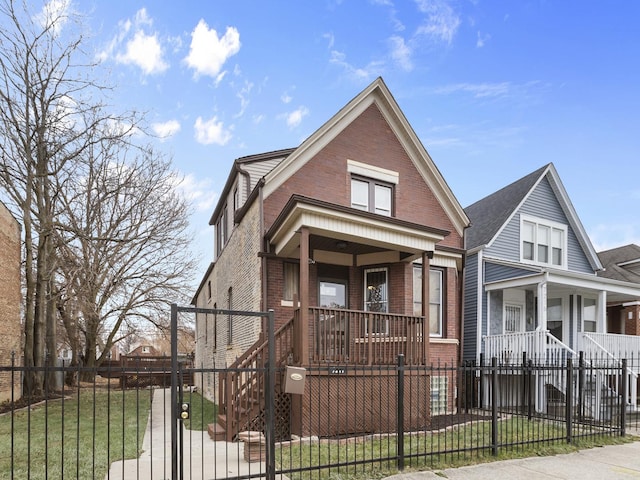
[[376, 93], [489, 214], [492, 213], [621, 263]]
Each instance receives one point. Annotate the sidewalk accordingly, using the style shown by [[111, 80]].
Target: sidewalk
[[203, 457], [611, 462]]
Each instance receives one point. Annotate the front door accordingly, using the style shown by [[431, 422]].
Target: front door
[[333, 328]]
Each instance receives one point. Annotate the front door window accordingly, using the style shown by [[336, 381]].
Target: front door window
[[376, 299], [333, 329]]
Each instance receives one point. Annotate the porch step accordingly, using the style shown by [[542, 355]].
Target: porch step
[[217, 433]]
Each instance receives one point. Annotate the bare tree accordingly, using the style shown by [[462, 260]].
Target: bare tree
[[42, 87], [125, 243], [104, 231]]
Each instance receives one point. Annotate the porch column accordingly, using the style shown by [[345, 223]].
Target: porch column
[[542, 305], [426, 265], [601, 314], [304, 295]]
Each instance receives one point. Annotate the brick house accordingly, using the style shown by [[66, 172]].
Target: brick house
[[10, 301], [335, 236]]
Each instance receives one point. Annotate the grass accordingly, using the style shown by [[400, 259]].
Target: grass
[[202, 412], [375, 458], [74, 437]]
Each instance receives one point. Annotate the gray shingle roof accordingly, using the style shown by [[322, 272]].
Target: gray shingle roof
[[611, 260], [489, 214]]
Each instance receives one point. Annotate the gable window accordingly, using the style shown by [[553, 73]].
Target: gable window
[[435, 299], [372, 195], [543, 242]]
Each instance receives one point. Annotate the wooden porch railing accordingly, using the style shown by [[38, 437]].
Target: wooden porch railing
[[358, 337], [242, 386]]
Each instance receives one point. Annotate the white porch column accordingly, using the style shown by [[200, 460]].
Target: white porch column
[[542, 305], [601, 314]]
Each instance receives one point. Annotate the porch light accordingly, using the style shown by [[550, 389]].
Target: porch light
[[341, 245]]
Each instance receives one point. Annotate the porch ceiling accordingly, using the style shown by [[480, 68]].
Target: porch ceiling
[[348, 232], [570, 282]]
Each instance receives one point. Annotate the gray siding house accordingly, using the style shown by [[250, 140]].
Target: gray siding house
[[531, 282]]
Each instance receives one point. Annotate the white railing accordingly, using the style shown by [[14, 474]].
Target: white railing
[[539, 346], [614, 347]]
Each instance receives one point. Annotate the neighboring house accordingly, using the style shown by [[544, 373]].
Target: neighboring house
[[143, 351], [531, 284], [11, 343], [623, 263], [336, 236]]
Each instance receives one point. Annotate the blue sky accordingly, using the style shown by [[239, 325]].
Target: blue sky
[[494, 89]]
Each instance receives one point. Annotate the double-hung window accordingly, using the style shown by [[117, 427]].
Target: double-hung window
[[435, 299], [372, 195], [543, 242]]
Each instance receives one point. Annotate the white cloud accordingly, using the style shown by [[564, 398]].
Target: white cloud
[[144, 51], [401, 53], [605, 236], [211, 131], [359, 74], [294, 118], [482, 39], [134, 44], [441, 22], [197, 192], [208, 52], [54, 14], [286, 98], [166, 129], [481, 90], [243, 96]]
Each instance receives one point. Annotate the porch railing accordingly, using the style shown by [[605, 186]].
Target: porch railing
[[363, 338], [608, 347], [539, 345]]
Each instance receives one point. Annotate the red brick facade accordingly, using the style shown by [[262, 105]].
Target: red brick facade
[[10, 300]]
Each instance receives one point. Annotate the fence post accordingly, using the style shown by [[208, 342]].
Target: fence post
[[524, 381], [623, 403], [480, 386], [494, 406], [271, 379], [581, 386], [400, 413], [569, 400], [174, 394], [530, 391]]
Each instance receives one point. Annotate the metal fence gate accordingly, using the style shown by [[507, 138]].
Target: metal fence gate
[[179, 407]]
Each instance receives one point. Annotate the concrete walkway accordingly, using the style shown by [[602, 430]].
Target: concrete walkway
[[204, 459]]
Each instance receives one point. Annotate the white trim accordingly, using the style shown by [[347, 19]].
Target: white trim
[[479, 300], [542, 222], [371, 171]]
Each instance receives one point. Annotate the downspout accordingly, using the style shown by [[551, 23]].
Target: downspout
[[263, 258]]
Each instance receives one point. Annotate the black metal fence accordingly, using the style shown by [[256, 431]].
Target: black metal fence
[[349, 420]]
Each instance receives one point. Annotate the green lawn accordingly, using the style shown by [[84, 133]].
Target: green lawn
[[369, 459], [202, 412], [75, 438]]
